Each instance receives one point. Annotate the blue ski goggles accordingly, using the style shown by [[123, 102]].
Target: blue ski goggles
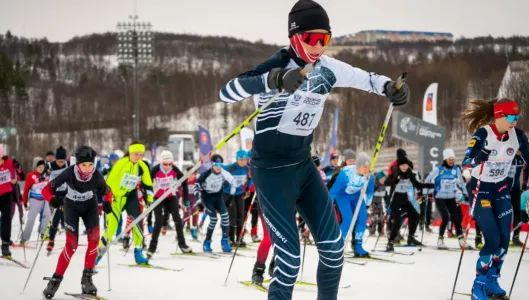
[[218, 165], [512, 118]]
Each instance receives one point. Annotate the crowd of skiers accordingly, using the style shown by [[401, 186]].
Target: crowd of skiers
[[59, 191]]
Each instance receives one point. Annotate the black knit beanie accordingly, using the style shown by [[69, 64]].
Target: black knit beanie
[[60, 153], [401, 153], [307, 15]]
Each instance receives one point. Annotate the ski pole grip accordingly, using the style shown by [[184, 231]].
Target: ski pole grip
[[307, 69], [401, 81]]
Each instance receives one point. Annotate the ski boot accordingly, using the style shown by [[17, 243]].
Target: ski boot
[[232, 243], [87, 285], [188, 227], [255, 238], [257, 275], [493, 287], [241, 243], [398, 239], [462, 243], [479, 291], [413, 241], [390, 247], [185, 248], [50, 246], [139, 257], [441, 243], [428, 229], [126, 242], [53, 286], [150, 229], [5, 249], [194, 233], [516, 241], [450, 234], [359, 250], [207, 246], [225, 245], [272, 266], [478, 241]]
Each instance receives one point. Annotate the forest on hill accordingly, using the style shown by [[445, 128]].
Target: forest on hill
[[75, 92]]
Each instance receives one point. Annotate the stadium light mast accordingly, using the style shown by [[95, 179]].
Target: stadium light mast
[[135, 49]]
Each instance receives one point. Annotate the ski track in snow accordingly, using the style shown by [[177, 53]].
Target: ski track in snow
[[430, 278]]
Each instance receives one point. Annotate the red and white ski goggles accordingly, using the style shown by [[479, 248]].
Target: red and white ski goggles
[[313, 38]]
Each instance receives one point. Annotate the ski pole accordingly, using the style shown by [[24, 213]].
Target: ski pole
[[38, 251], [241, 235], [307, 69], [476, 191], [519, 262], [398, 85], [424, 221], [386, 214], [108, 254]]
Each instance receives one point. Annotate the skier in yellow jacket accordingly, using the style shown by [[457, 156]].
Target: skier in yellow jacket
[[123, 181]]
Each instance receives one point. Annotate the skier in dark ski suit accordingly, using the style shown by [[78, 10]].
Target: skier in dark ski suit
[[83, 184]]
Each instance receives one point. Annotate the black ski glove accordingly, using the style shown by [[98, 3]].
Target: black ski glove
[[56, 202], [482, 156], [288, 80], [107, 207], [397, 97]]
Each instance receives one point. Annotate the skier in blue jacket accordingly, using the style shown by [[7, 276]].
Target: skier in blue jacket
[[234, 198], [346, 193]]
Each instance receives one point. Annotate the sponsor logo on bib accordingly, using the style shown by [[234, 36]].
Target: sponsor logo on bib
[[296, 100]]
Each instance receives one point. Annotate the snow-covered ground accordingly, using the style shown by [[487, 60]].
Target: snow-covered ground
[[430, 278]]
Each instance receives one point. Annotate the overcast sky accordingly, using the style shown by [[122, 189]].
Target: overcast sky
[[60, 20]]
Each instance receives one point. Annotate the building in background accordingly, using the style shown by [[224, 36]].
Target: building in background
[[372, 36]]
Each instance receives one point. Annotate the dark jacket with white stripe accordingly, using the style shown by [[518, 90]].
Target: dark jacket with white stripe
[[283, 131]]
